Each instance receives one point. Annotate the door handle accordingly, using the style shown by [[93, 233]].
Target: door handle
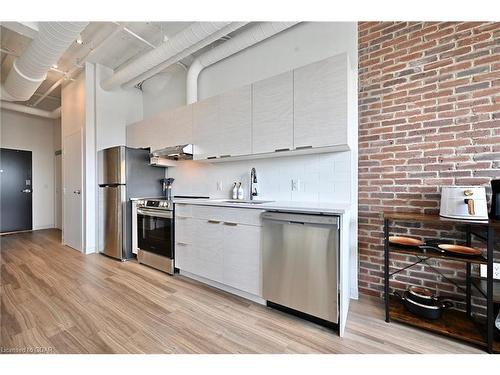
[[26, 191], [77, 192]]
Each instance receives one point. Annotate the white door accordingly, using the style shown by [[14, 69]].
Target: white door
[[72, 191], [58, 191]]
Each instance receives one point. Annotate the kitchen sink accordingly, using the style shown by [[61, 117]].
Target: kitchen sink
[[244, 201]]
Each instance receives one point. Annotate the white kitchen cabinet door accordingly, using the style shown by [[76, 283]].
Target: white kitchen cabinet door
[[242, 258], [208, 245], [207, 130], [235, 117], [184, 229], [186, 258], [272, 114], [181, 126], [320, 103]]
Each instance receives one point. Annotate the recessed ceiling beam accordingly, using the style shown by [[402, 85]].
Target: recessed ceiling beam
[[136, 36]]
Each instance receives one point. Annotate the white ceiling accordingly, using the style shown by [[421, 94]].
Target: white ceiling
[[116, 52]]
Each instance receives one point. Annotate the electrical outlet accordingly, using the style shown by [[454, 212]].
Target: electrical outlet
[[297, 185], [219, 185], [496, 270]]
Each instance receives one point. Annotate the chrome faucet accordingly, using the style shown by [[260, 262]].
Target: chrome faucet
[[253, 180]]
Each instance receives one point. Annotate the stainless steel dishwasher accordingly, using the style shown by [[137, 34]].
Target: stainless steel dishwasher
[[300, 263]]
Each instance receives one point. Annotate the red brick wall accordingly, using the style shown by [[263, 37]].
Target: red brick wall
[[429, 115]]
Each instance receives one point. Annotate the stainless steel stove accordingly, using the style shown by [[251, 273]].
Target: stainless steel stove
[[154, 225], [155, 242]]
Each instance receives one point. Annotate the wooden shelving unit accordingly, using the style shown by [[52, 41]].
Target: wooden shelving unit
[[453, 323]]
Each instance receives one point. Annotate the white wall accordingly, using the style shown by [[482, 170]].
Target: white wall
[[322, 178], [35, 134], [114, 110], [164, 91]]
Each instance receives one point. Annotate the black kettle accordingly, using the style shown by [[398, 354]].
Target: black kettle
[[495, 200]]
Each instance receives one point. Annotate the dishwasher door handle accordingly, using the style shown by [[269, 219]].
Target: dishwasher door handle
[[301, 219]]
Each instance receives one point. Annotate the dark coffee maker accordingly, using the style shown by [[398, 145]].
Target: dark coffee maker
[[495, 200]]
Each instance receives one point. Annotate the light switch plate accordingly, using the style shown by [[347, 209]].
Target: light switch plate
[[219, 185], [496, 270]]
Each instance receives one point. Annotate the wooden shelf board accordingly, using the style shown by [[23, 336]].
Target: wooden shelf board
[[433, 254], [453, 323], [436, 219]]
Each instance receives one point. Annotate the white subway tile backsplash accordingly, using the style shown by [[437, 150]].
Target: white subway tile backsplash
[[323, 178]]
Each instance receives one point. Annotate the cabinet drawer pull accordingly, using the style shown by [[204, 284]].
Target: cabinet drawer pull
[[182, 217], [281, 149], [182, 244], [303, 147], [231, 224], [213, 221], [211, 157], [225, 156]]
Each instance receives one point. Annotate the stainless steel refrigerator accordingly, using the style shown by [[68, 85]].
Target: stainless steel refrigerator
[[124, 173]]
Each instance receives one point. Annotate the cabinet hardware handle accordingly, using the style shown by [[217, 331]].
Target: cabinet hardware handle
[[281, 149], [182, 244], [212, 157], [213, 221], [181, 217], [302, 147], [231, 224], [225, 156]]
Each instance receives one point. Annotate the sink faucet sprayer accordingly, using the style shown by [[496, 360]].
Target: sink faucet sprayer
[[253, 180]]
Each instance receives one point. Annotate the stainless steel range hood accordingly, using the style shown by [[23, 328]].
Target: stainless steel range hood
[[180, 152]]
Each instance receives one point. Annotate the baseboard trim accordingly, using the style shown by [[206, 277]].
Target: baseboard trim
[[225, 288]]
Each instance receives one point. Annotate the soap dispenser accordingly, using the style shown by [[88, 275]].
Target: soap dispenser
[[240, 191], [235, 191]]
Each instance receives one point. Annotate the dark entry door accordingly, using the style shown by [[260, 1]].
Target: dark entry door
[[15, 190]]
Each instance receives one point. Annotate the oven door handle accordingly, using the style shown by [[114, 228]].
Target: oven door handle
[[155, 213]]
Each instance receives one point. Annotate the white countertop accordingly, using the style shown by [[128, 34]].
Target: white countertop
[[308, 207]]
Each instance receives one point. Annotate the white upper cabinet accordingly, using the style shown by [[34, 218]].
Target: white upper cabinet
[[320, 103], [180, 126], [235, 117], [272, 112], [207, 131]]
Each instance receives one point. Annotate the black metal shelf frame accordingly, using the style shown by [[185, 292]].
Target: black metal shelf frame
[[489, 239]]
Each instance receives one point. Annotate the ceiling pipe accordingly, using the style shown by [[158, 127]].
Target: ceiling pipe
[[56, 113], [69, 74], [188, 51], [241, 41], [175, 45], [30, 69]]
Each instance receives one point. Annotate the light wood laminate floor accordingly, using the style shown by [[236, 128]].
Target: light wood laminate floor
[[56, 298]]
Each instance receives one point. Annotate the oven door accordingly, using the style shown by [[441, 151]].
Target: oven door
[[154, 231]]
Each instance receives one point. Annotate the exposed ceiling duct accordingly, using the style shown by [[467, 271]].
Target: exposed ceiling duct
[[30, 69], [56, 113], [188, 51], [178, 43]]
